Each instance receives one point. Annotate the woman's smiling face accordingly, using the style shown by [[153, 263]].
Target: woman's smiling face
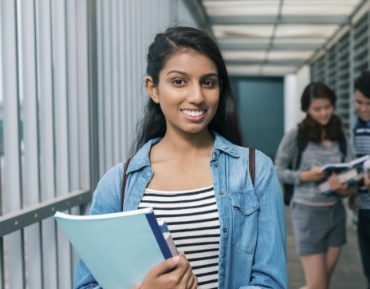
[[321, 110], [188, 91], [362, 106]]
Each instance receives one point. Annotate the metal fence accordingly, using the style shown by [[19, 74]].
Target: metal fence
[[70, 93], [342, 61]]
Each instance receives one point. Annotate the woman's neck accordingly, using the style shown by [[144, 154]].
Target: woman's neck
[[189, 146]]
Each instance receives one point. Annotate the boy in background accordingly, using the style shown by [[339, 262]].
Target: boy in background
[[361, 200]]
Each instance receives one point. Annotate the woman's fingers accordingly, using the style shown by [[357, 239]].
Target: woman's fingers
[[193, 282], [165, 266], [172, 273]]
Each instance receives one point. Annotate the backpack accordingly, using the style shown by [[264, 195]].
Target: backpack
[[288, 189]]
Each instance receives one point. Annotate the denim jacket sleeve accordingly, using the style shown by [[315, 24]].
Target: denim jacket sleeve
[[256, 247], [269, 265]]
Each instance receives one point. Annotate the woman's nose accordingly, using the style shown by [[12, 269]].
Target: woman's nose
[[196, 94]]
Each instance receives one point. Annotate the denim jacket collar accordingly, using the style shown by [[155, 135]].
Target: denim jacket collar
[[141, 158]]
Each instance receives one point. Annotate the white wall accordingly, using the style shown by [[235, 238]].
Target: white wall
[[293, 86]]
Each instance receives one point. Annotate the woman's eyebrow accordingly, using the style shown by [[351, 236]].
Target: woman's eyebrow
[[184, 73], [176, 71]]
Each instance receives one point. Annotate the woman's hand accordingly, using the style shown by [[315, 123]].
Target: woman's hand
[[337, 186], [173, 273], [315, 174]]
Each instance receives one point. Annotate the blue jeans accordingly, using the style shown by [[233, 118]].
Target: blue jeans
[[363, 233]]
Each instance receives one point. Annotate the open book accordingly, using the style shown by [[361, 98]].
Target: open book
[[344, 166], [119, 248], [351, 176]]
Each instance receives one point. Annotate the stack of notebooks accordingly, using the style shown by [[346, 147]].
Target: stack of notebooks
[[119, 248]]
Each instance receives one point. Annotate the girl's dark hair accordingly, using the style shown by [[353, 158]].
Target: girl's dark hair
[[310, 129], [362, 83], [174, 39]]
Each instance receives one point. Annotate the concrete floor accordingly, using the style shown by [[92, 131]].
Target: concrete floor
[[348, 273]]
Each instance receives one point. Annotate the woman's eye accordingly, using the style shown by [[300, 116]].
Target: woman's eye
[[178, 82], [209, 83]]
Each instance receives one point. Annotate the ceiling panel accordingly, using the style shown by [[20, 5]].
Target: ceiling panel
[[270, 37]]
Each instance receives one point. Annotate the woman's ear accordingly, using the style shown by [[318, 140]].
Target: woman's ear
[[151, 89]]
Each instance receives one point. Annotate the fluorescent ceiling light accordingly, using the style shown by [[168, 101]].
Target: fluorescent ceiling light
[[305, 30], [243, 30], [278, 55], [270, 69], [244, 55], [244, 40], [232, 8]]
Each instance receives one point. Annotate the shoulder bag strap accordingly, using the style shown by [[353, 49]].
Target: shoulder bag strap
[[124, 179], [252, 164]]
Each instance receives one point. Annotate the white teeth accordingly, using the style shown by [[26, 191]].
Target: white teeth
[[193, 113]]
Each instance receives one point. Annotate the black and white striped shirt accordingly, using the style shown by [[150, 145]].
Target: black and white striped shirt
[[361, 139], [193, 220]]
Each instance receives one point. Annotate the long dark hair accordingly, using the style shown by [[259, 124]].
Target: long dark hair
[[309, 128], [153, 124]]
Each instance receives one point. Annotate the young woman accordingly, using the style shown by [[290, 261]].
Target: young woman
[[188, 166], [318, 219]]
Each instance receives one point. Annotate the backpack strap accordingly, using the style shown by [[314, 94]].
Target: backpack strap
[[124, 180], [301, 146], [343, 147], [252, 166]]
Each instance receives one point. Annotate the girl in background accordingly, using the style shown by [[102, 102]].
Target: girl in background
[[318, 219]]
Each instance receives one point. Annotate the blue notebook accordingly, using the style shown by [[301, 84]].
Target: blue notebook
[[118, 248]]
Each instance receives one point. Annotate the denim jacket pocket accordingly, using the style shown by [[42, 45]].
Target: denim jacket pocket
[[245, 218]]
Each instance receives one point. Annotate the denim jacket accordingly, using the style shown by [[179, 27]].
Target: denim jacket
[[252, 251]]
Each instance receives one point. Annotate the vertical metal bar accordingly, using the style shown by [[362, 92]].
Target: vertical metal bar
[[115, 77], [107, 70], [11, 136], [61, 129], [2, 264], [84, 137], [93, 83], [101, 83], [121, 81], [30, 125], [72, 93], [73, 128], [130, 56], [136, 61], [127, 72], [60, 96], [83, 95], [46, 123]]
